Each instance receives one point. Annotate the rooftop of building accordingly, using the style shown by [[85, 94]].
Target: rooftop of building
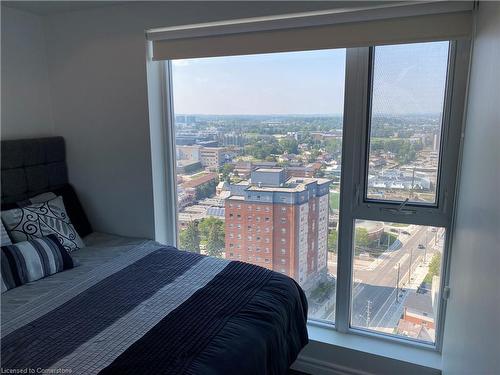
[[293, 184], [269, 170], [184, 163], [421, 302], [214, 148], [415, 331], [197, 181]]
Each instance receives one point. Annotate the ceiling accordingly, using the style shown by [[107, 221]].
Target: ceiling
[[45, 8]]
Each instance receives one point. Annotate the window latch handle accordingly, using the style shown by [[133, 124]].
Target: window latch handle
[[400, 209], [403, 204]]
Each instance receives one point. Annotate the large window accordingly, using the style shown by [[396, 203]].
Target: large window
[[334, 167], [258, 151]]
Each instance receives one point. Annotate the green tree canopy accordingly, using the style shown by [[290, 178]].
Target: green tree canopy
[[361, 237], [332, 241], [434, 268], [189, 238], [215, 241], [212, 233], [226, 170], [289, 145], [206, 190]]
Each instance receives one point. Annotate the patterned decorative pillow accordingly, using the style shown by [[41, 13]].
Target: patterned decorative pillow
[[28, 261], [5, 240], [42, 219]]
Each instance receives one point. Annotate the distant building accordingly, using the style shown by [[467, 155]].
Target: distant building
[[279, 223], [198, 181], [184, 140], [302, 171], [243, 169], [210, 143], [212, 157], [232, 139], [418, 309], [318, 136], [399, 180], [188, 152], [188, 166], [223, 185], [264, 164]]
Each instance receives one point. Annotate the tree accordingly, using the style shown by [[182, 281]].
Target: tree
[[313, 156], [207, 223], [434, 268], [332, 241], [289, 145], [226, 170], [361, 237], [319, 173], [333, 146], [206, 190], [212, 233], [215, 241], [189, 238]]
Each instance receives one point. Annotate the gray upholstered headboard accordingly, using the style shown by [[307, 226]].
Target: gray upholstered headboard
[[32, 166]]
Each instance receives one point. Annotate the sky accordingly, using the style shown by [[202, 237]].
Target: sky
[[408, 79]]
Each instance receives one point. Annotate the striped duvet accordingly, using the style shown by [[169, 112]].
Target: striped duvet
[[159, 310]]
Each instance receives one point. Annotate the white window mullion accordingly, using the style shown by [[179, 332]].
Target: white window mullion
[[170, 157], [355, 109]]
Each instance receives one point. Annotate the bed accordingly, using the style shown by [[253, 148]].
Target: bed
[[136, 306]]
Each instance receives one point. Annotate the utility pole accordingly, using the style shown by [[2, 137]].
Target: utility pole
[[409, 268], [426, 244], [397, 286], [412, 183], [368, 312]]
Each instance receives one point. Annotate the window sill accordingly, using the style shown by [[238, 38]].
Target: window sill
[[375, 346]]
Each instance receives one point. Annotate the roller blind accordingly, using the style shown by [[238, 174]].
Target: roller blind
[[253, 36]]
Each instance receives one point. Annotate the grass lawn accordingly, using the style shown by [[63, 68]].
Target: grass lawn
[[334, 200]]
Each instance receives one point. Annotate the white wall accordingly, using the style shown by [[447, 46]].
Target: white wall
[[97, 65], [472, 329], [26, 106]]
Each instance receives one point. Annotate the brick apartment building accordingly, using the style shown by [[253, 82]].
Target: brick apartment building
[[279, 223]]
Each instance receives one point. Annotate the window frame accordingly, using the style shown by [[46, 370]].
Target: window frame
[[352, 202], [369, 128], [353, 187]]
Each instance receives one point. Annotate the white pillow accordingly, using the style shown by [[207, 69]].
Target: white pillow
[[42, 219]]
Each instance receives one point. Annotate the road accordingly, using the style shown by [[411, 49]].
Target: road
[[374, 292]]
